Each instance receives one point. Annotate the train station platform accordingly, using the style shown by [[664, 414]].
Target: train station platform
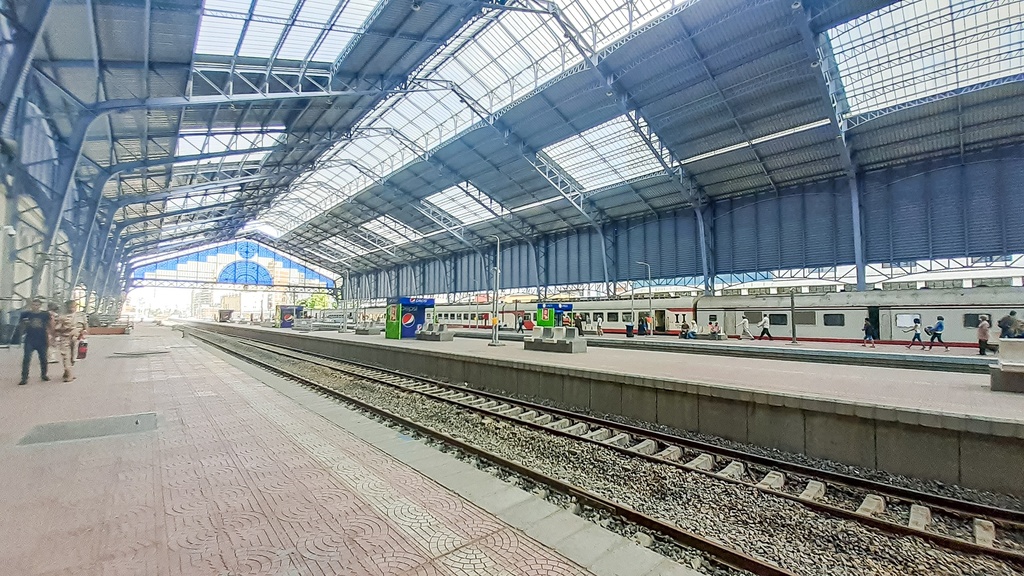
[[165, 458], [956, 359], [944, 426]]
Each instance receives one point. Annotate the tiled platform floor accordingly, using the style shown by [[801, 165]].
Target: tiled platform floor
[[237, 479]]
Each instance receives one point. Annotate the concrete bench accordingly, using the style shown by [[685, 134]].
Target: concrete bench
[[435, 333], [303, 325], [555, 339], [367, 330], [1008, 374]]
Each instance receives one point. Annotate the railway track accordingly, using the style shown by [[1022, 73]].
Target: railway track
[[722, 554], [962, 526]]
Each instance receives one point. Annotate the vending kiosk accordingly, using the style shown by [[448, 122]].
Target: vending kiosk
[[405, 316]]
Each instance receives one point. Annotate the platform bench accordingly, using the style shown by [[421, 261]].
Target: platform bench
[[435, 333], [367, 330], [555, 339], [1008, 374]]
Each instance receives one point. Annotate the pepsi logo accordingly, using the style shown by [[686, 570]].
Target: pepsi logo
[[288, 317], [408, 319]]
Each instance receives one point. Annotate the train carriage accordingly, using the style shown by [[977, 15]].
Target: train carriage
[[826, 317]]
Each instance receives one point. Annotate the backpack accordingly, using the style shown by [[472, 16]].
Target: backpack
[[928, 330]]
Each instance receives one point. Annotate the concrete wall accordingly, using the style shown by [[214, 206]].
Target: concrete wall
[[971, 453]]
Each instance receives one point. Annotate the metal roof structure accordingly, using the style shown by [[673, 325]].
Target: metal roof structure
[[363, 134]]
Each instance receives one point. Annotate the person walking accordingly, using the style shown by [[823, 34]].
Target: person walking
[[916, 328], [1006, 324], [763, 325], [69, 329], [983, 335], [743, 327], [600, 324], [579, 324], [519, 323], [869, 333], [36, 327], [937, 333]]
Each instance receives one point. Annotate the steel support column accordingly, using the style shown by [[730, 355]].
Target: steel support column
[[830, 89], [858, 241]]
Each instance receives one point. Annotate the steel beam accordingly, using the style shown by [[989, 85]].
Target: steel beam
[[26, 32]]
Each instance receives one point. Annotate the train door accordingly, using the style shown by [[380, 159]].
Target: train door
[[874, 316], [731, 320], [885, 324], [659, 320]]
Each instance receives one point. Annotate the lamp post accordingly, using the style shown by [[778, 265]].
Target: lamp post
[[650, 296], [497, 280]]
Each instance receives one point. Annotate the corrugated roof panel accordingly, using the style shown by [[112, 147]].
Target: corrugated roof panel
[[391, 230], [607, 154]]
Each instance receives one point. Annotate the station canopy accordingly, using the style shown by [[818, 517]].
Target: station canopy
[[365, 133]]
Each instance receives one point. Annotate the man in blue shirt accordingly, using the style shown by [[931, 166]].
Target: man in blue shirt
[[36, 325]]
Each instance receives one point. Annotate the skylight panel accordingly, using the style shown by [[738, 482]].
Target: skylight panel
[[512, 56], [218, 36], [391, 230], [919, 48], [604, 21], [199, 199], [301, 30], [605, 155], [261, 227], [466, 204]]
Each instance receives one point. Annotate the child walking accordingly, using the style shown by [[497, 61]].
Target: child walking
[[869, 333], [916, 328]]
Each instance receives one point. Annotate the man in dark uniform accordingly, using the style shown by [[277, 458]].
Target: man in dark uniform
[[35, 324]]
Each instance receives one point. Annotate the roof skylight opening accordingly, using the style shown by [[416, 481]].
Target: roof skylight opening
[[391, 230], [262, 228], [216, 143], [466, 204], [300, 30], [606, 155], [514, 54], [919, 48]]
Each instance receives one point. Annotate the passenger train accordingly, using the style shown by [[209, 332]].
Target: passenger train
[[825, 317]]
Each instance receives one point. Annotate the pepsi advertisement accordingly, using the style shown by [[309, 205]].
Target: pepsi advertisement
[[405, 316]]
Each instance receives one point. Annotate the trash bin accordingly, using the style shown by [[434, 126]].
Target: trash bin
[[629, 330]]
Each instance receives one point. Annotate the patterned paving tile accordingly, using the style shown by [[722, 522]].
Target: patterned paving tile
[[237, 479]]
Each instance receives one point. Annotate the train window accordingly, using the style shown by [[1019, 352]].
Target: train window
[[972, 320], [778, 319], [712, 317], [834, 319], [613, 316], [752, 316], [627, 316], [805, 318], [906, 320], [586, 317], [598, 316]]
